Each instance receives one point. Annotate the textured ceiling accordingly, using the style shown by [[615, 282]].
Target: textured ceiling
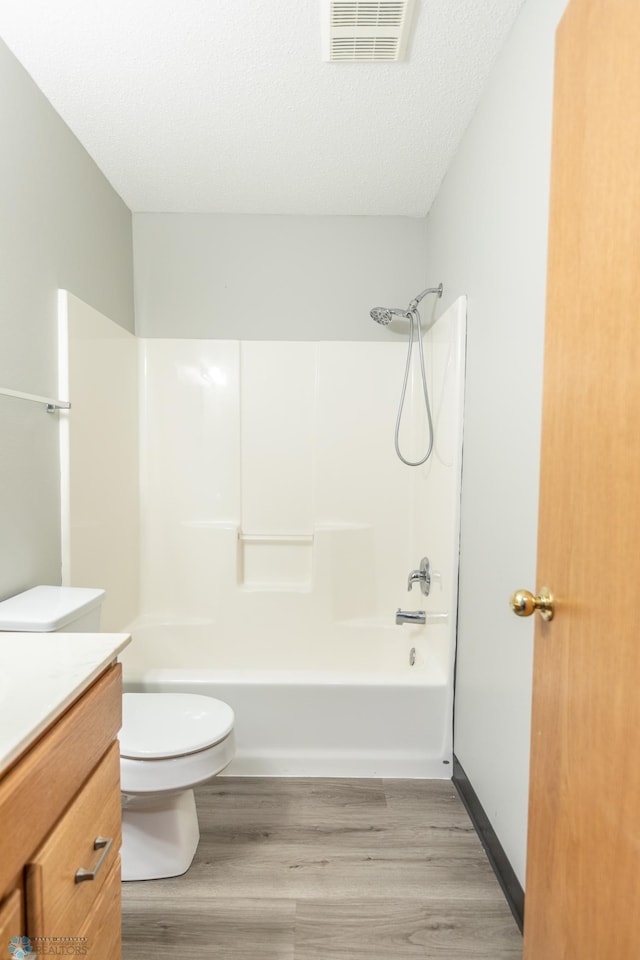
[[205, 106]]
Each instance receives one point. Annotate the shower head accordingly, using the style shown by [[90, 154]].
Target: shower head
[[383, 315]]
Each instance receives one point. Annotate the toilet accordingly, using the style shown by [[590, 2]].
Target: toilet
[[169, 742]]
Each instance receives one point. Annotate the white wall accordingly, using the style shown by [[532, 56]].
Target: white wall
[[486, 236], [62, 225], [273, 278]]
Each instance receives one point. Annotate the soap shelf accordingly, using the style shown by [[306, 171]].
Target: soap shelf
[[51, 404], [275, 537]]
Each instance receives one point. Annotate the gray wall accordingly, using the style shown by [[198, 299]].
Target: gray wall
[[273, 278], [61, 225], [487, 237]]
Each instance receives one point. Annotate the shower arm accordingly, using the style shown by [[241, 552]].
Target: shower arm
[[416, 300]]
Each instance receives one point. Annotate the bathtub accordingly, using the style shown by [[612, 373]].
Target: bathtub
[[358, 707]]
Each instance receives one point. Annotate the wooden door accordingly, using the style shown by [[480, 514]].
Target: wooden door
[[583, 875]]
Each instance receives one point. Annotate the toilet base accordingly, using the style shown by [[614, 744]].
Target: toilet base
[[160, 835]]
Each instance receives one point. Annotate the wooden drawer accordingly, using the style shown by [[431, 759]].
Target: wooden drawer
[[35, 792], [103, 930], [11, 920], [57, 904]]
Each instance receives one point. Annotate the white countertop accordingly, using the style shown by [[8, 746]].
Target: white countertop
[[40, 675]]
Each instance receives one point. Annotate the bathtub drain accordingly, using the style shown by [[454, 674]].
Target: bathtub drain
[[412, 656]]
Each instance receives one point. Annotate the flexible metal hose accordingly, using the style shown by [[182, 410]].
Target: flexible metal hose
[[414, 319]]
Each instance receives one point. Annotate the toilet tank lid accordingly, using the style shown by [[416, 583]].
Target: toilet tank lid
[[45, 609]]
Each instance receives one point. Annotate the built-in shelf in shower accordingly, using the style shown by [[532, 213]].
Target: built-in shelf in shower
[[275, 561]]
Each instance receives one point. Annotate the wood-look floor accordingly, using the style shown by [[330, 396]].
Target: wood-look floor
[[318, 869]]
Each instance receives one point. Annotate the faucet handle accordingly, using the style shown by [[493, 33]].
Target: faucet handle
[[421, 576]]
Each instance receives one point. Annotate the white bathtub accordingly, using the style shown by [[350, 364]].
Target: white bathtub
[[358, 709]]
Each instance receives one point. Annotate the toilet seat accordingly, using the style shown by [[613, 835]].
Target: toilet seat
[[160, 726], [172, 741]]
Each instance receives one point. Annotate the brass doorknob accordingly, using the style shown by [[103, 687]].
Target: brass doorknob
[[524, 603]]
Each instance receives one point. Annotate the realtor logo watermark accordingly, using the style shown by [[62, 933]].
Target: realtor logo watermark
[[30, 948], [20, 947]]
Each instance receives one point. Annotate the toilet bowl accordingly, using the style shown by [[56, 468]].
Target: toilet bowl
[[169, 742]]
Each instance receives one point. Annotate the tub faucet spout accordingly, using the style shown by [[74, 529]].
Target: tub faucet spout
[[410, 616]]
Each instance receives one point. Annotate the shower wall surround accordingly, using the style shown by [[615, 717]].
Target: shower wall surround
[[272, 499], [99, 458]]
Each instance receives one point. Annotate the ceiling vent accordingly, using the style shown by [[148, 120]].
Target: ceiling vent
[[366, 31]]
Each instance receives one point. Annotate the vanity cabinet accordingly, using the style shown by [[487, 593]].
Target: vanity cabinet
[[11, 911], [60, 831]]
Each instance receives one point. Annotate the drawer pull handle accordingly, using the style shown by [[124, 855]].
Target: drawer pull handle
[[100, 843]]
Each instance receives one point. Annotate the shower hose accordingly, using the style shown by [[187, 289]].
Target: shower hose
[[414, 319]]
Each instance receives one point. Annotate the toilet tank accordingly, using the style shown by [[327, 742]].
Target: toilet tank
[[51, 609]]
